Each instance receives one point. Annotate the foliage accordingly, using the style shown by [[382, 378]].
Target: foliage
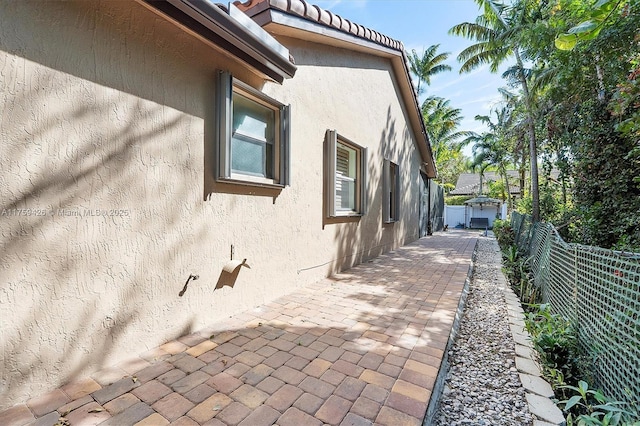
[[429, 64], [602, 11], [591, 407], [504, 233], [495, 32], [442, 122], [554, 206], [625, 107], [555, 340], [498, 190], [518, 272], [491, 149], [607, 199], [625, 101], [590, 124], [448, 186], [456, 200], [515, 266], [579, 108]]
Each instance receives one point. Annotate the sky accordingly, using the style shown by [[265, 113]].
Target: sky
[[419, 24]]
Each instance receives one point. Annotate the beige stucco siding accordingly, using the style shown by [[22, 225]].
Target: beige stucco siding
[[107, 197], [356, 95]]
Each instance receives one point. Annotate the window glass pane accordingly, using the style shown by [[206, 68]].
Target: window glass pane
[[345, 194], [252, 137], [346, 160], [252, 119], [345, 197], [248, 157]]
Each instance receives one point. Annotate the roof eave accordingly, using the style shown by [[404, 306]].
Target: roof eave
[[279, 22], [230, 30]]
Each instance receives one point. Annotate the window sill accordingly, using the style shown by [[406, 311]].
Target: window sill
[[249, 181], [346, 214]]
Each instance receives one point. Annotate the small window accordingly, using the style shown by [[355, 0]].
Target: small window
[[252, 135], [346, 176], [391, 191]]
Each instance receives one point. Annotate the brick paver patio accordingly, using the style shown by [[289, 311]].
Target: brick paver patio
[[363, 347]]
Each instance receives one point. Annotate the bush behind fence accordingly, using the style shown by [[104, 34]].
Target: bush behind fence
[[598, 290]]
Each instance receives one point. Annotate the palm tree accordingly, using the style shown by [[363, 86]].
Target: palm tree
[[426, 66], [442, 122], [491, 148], [517, 127], [495, 32], [480, 163]]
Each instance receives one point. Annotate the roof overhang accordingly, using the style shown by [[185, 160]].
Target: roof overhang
[[231, 31], [320, 26], [482, 200]]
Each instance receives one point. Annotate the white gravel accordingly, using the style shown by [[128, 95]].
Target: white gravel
[[482, 386]]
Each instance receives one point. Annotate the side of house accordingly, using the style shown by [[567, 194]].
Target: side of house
[[142, 148]]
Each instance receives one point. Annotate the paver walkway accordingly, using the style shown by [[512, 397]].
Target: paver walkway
[[359, 348]]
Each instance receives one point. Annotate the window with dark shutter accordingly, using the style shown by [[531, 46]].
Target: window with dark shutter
[[390, 191], [253, 135], [345, 176]]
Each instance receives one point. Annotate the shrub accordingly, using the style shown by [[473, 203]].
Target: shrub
[[456, 200], [504, 233], [555, 340], [591, 407]]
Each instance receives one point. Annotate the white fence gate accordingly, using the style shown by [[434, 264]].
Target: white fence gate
[[454, 216], [461, 215]]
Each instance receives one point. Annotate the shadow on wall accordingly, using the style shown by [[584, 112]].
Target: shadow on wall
[[155, 49], [88, 206], [360, 239]]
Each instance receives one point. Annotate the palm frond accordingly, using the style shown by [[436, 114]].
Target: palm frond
[[543, 78], [473, 31]]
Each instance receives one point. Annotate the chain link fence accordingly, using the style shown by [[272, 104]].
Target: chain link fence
[[598, 290]]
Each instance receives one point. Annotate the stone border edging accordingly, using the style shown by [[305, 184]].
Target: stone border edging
[[538, 390], [438, 386]]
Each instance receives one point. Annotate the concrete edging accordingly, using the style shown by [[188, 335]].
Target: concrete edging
[[538, 390]]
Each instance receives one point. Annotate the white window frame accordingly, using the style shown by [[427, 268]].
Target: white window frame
[[390, 192], [332, 141], [227, 86]]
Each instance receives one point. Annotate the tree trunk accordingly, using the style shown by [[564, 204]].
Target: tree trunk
[[600, 77], [522, 170], [505, 177], [533, 149]]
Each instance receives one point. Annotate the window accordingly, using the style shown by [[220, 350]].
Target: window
[[252, 135], [346, 176], [391, 191]]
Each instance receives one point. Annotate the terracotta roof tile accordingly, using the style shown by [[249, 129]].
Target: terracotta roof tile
[[304, 9]]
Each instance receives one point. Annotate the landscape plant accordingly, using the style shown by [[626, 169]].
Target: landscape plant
[[591, 407], [555, 339], [515, 264], [576, 108]]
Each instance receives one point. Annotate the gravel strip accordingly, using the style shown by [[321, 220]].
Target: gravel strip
[[482, 386]]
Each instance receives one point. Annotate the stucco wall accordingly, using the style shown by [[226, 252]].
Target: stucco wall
[[107, 196]]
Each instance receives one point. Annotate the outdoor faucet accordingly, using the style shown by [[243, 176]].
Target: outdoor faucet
[[184, 289]]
